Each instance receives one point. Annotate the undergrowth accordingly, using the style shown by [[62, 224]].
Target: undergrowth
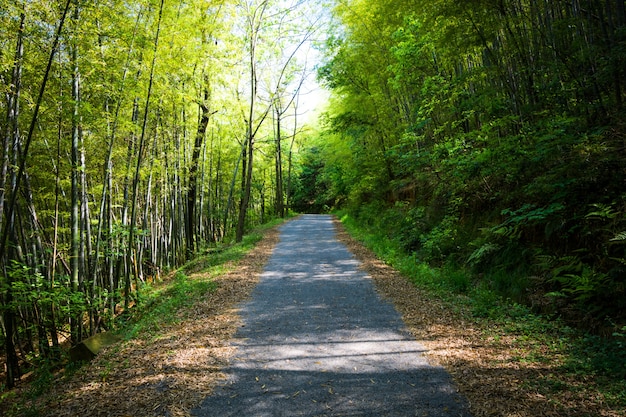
[[580, 361], [161, 303]]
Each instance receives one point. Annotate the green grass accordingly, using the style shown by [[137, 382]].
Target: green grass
[[441, 280], [160, 304]]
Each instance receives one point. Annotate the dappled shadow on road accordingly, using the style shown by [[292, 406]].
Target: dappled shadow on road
[[263, 392], [317, 339]]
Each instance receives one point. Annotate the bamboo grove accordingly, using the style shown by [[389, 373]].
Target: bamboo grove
[[486, 135], [134, 134]]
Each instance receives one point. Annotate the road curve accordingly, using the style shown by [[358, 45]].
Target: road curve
[[317, 340]]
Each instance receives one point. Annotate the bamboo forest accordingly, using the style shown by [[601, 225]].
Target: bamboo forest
[[483, 138], [131, 140], [489, 136]]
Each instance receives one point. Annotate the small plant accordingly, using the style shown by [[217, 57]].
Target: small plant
[[483, 252], [44, 377]]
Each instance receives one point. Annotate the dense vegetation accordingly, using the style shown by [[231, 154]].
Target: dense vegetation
[[134, 135], [484, 137], [487, 136]]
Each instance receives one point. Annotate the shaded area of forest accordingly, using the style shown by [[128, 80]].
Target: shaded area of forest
[[487, 136]]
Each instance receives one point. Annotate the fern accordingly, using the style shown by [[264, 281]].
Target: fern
[[584, 285], [619, 237], [479, 254], [602, 211]]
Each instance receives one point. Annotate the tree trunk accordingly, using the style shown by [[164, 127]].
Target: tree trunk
[[10, 141], [245, 188], [229, 203], [255, 18], [131, 238], [191, 231], [290, 155], [75, 224], [12, 365], [280, 202]]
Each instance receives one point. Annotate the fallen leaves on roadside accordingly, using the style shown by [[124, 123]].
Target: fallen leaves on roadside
[[170, 374]]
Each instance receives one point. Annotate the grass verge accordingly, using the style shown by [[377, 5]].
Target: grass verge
[[161, 303]]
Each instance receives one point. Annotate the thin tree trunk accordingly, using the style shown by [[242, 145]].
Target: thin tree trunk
[[132, 224], [191, 231], [37, 234], [75, 224], [202, 224], [231, 191], [122, 264], [13, 98], [290, 155], [105, 217], [254, 21], [280, 202], [150, 208]]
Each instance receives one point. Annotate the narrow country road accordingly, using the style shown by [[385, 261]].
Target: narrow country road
[[317, 340]]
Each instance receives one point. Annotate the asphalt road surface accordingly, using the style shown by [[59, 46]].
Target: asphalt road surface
[[317, 340]]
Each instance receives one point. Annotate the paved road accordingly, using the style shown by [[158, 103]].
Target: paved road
[[317, 340]]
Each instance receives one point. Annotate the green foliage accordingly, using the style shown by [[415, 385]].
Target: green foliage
[[594, 355], [503, 150], [525, 217], [311, 191], [147, 167], [377, 237], [441, 240], [29, 288], [483, 252], [43, 377], [159, 306], [161, 303]]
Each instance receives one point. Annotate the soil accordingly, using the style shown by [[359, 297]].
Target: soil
[[172, 374]]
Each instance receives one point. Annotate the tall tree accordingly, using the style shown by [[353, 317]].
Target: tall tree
[[76, 240], [132, 255], [12, 363], [255, 19], [271, 67], [192, 188]]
